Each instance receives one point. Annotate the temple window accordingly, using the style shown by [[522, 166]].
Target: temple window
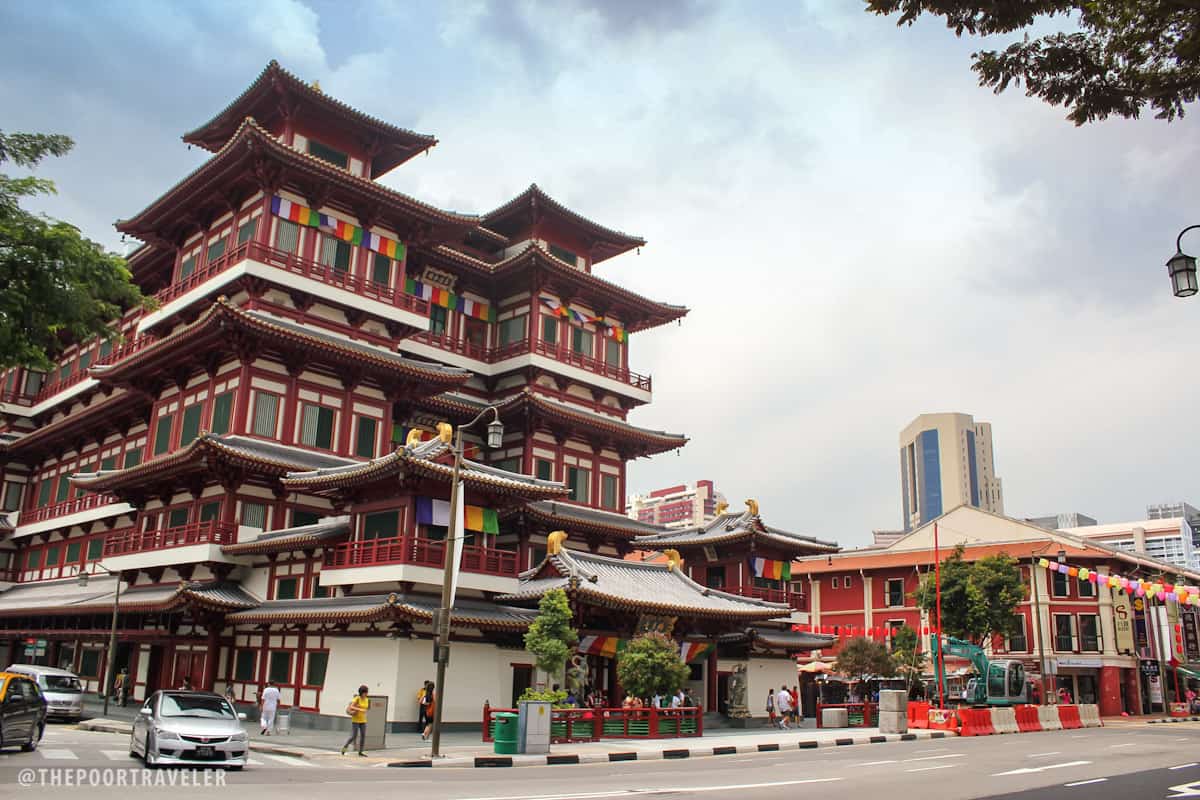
[[210, 511], [279, 669], [216, 248], [243, 665], [563, 254], [366, 437], [44, 492], [64, 488], [329, 154], [162, 434], [247, 230], [549, 329], [34, 382], [190, 428], [109, 463], [513, 329], [510, 464], [437, 320], [178, 517], [300, 518], [314, 671], [381, 525], [12, 495], [612, 353], [714, 577], [133, 457], [287, 236], [381, 269], [187, 266], [266, 414], [222, 412], [582, 341], [335, 253], [475, 332], [544, 469], [65, 371], [95, 548], [285, 588], [609, 485], [316, 426], [580, 482], [254, 515]]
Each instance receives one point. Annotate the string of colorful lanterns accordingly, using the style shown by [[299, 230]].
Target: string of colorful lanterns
[[1136, 587]]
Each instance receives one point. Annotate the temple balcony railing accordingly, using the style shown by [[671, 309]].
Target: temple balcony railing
[[210, 532], [560, 353], [420, 552], [67, 507], [295, 265], [796, 600]]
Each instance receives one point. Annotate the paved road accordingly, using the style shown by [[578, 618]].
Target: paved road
[[1142, 761]]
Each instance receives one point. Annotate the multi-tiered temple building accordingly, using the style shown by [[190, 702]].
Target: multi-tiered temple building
[[241, 461]]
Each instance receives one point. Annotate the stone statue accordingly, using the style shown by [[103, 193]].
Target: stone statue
[[737, 693], [576, 676]]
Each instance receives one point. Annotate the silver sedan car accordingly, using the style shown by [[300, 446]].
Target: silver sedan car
[[193, 728]]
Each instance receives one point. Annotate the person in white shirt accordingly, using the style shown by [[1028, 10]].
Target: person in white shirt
[[656, 701], [270, 704], [677, 699], [783, 706]]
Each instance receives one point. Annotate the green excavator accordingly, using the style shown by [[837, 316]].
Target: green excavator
[[998, 683]]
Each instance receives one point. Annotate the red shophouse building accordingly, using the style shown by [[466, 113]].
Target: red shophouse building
[[1092, 633], [238, 462]]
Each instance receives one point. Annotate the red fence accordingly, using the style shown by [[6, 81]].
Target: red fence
[[420, 552], [290, 262], [593, 724], [133, 541], [859, 715], [74, 506]]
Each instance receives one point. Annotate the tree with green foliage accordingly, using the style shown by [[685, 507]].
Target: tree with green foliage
[[1114, 58], [651, 665], [59, 287], [550, 638], [861, 658], [979, 598], [908, 656]]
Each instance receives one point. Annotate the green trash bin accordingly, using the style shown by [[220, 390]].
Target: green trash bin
[[504, 740]]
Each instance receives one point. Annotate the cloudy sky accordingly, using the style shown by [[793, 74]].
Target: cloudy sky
[[861, 232]]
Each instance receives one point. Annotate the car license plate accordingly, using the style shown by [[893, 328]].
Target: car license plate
[[204, 751]]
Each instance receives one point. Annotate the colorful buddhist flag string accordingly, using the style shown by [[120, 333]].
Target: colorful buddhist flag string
[[1136, 587], [611, 329], [607, 646], [303, 215], [694, 651], [431, 511], [446, 299], [768, 568]]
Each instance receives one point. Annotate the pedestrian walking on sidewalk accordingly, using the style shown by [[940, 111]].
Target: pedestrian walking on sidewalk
[[357, 709], [270, 704], [795, 694], [432, 709], [771, 708], [425, 706], [783, 705]]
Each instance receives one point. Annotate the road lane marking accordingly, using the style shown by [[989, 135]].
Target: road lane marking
[[116, 755], [1185, 766], [936, 766], [872, 763], [1041, 755], [59, 755], [1126, 744], [289, 760], [1085, 783], [935, 758], [652, 791], [1028, 770]]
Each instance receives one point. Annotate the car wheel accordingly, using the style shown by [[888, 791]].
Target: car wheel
[[234, 768], [146, 753]]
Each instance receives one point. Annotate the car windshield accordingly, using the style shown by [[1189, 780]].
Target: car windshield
[[61, 683], [195, 705]]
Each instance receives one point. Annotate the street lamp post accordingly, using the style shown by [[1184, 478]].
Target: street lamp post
[[1182, 268], [441, 623], [112, 631]]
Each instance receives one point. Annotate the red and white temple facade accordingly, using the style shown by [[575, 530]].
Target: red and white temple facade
[[238, 461]]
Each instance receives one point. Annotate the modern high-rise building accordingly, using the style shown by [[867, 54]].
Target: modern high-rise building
[[681, 506], [946, 461]]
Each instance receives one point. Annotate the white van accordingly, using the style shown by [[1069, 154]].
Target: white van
[[63, 692]]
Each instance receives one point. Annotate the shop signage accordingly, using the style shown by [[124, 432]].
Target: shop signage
[[1149, 668], [1079, 662], [1123, 622], [1191, 634]]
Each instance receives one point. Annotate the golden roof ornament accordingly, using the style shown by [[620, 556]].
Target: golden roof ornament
[[445, 431], [753, 506], [674, 560], [554, 542], [316, 85], [413, 439], [721, 506]]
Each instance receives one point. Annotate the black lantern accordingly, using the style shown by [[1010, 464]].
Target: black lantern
[[495, 433], [1182, 269]]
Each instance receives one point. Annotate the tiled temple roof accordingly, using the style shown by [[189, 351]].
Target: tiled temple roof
[[650, 441], [533, 202], [585, 519], [382, 607], [68, 597], [727, 528], [288, 539], [636, 586], [779, 639], [423, 459]]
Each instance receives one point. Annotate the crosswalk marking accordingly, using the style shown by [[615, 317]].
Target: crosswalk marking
[[289, 760], [59, 755], [116, 755]]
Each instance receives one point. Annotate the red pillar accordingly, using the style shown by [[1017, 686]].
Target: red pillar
[[1110, 692], [212, 656], [1133, 691], [711, 677]]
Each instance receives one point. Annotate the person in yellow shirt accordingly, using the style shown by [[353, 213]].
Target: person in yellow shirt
[[357, 709]]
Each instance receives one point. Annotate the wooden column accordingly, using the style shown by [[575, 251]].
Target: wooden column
[[711, 678], [213, 656]]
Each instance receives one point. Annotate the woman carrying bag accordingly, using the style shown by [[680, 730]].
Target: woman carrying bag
[[357, 710]]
